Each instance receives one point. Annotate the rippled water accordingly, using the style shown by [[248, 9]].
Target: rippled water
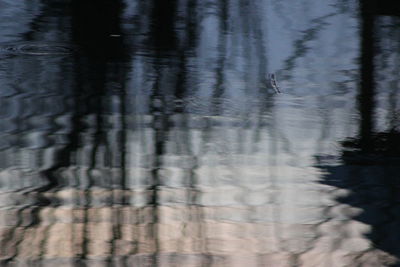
[[32, 48], [152, 133]]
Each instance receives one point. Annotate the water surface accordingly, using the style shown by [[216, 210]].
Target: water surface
[[147, 133]]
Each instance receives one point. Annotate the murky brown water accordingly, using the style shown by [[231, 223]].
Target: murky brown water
[[150, 133]]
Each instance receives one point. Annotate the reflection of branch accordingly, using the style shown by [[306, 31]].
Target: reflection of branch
[[261, 44], [300, 45], [221, 60]]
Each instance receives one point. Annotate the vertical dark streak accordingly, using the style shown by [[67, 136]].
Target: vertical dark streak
[[191, 24], [366, 94], [219, 87], [261, 49], [93, 24], [123, 143], [159, 126], [181, 81], [163, 41]]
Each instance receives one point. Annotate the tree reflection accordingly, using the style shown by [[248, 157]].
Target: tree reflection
[[370, 161], [161, 143]]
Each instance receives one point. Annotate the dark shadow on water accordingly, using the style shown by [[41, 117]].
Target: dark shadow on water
[[370, 162]]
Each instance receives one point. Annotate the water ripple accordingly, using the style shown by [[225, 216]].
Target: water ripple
[[36, 48]]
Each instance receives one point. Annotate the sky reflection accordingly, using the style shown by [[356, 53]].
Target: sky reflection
[[146, 133]]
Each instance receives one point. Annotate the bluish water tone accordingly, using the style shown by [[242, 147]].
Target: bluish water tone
[[199, 133]]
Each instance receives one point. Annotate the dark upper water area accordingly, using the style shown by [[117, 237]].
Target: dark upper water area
[[199, 133]]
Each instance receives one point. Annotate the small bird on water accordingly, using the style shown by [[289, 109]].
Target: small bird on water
[[272, 82]]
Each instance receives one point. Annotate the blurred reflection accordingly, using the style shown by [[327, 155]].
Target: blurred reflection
[[370, 161], [144, 133]]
